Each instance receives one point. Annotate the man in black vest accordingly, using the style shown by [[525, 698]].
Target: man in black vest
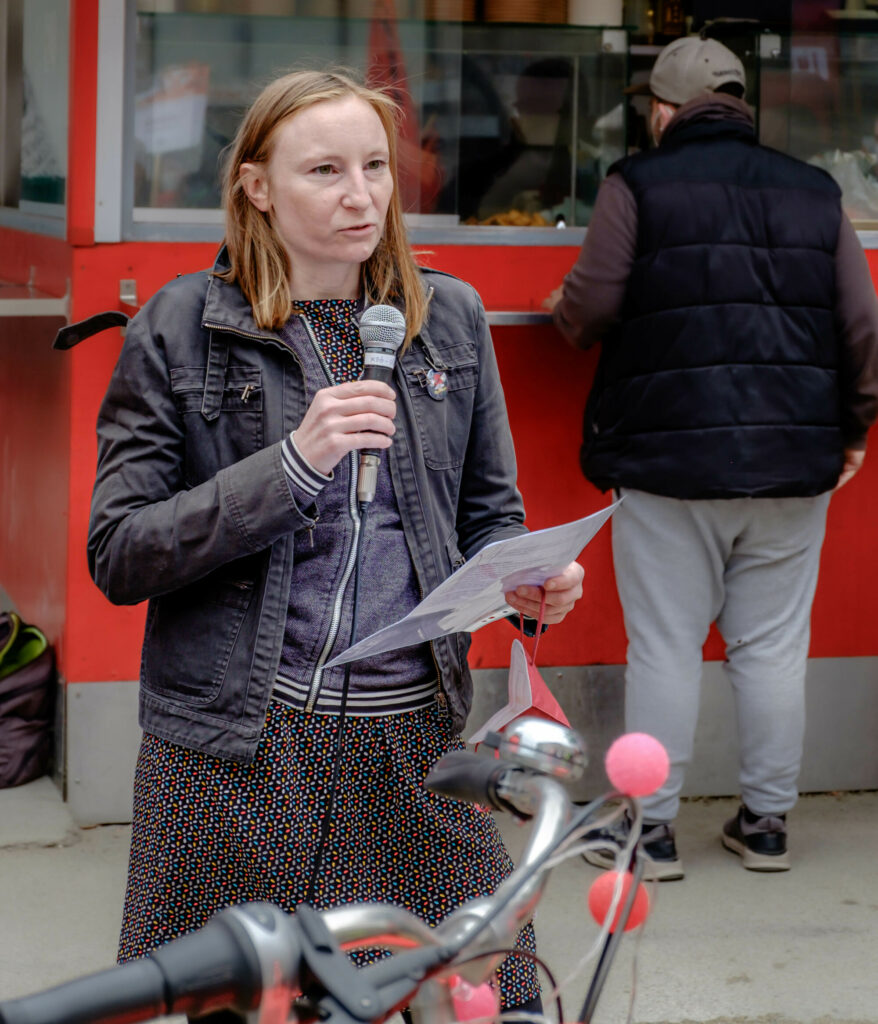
[[738, 378]]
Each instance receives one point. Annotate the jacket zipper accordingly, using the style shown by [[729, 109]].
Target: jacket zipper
[[335, 620], [437, 364], [441, 699], [252, 335]]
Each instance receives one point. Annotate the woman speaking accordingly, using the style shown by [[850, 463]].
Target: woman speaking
[[226, 497]]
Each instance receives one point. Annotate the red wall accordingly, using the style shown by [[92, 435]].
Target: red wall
[[34, 461], [545, 381]]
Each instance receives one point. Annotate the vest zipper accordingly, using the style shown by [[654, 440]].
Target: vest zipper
[[335, 620]]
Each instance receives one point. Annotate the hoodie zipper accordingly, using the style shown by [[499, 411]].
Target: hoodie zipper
[[338, 602]]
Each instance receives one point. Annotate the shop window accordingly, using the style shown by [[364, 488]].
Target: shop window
[[34, 39], [812, 81], [819, 101], [506, 123]]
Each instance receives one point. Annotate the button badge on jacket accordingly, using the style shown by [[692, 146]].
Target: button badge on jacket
[[436, 382]]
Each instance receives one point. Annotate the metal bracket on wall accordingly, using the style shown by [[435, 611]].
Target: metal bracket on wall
[[128, 296]]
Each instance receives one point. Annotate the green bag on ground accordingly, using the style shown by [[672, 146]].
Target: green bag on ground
[[27, 695]]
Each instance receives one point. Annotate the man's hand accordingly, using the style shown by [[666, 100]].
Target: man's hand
[[552, 300], [853, 459], [562, 593]]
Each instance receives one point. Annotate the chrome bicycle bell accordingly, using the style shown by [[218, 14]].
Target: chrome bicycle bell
[[547, 747]]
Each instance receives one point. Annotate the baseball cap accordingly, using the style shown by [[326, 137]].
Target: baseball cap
[[688, 67]]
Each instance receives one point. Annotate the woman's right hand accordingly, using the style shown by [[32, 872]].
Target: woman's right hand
[[357, 414]]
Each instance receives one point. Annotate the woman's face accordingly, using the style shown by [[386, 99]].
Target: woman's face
[[326, 187]]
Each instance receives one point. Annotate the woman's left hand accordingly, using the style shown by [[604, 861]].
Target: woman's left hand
[[562, 593]]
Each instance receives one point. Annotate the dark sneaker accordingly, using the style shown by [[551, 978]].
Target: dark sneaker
[[760, 842], [662, 864]]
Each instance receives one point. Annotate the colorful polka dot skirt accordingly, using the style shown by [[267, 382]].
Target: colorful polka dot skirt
[[209, 833]]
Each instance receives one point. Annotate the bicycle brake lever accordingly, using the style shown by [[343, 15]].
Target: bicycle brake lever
[[336, 992]]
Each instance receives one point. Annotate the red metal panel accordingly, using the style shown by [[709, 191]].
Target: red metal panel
[[506, 276], [545, 381], [38, 260], [33, 470]]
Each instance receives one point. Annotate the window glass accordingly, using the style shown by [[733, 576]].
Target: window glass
[[35, 159], [196, 73], [505, 123], [812, 82], [819, 101]]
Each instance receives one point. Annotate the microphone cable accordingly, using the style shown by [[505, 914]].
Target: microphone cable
[[382, 331], [342, 716]]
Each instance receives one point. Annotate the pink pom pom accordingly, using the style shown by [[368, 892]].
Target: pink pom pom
[[473, 1001], [600, 896], [637, 764]]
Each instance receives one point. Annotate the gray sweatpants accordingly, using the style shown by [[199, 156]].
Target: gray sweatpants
[[750, 565]]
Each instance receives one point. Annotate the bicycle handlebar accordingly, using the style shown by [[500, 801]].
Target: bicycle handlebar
[[218, 966], [461, 776], [252, 957], [259, 961]]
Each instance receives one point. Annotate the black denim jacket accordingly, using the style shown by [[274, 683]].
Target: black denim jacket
[[192, 510]]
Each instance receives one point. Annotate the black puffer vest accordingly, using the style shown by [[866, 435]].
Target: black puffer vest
[[721, 379]]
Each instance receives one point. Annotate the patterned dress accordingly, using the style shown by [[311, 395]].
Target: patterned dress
[[210, 833]]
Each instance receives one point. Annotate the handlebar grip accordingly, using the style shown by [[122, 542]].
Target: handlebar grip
[[214, 968], [463, 775], [135, 991]]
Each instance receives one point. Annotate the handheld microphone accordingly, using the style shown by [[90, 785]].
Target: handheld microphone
[[382, 331]]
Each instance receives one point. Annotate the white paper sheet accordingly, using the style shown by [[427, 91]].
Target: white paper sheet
[[473, 596]]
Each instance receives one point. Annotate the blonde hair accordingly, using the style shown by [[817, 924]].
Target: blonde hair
[[258, 261]]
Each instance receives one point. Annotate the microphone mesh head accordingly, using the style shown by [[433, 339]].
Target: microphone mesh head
[[382, 327]]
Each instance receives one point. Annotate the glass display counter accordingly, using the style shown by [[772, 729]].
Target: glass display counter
[[818, 99], [814, 91], [34, 66], [509, 125]]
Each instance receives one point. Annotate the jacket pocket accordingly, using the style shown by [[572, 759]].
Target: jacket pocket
[[190, 636], [442, 400], [221, 428]]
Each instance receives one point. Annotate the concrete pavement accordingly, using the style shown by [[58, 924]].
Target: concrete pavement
[[724, 945]]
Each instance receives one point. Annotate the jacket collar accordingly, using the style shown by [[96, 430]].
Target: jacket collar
[[713, 114], [225, 305]]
